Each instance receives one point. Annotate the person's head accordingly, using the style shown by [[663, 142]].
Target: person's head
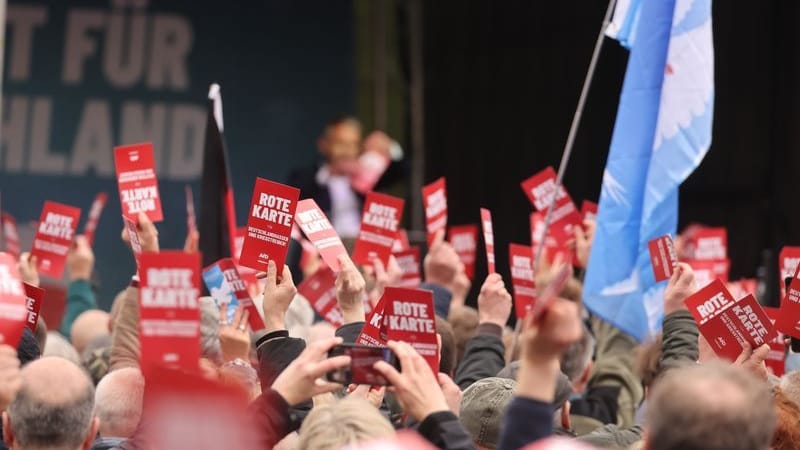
[[464, 321], [58, 346], [483, 406], [576, 361], [787, 433], [319, 331], [28, 347], [342, 423], [41, 332], [341, 140], [209, 330], [711, 407], [53, 408], [790, 385], [118, 402], [447, 362], [87, 327]]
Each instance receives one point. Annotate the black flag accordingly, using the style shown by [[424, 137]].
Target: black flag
[[217, 220]]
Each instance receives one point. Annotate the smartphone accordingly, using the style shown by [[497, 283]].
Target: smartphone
[[360, 370]]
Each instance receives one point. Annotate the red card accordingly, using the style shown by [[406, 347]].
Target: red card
[[34, 296], [191, 216], [374, 331], [776, 360], [726, 323], [379, 225], [787, 264], [94, 216], [247, 274], [707, 271], [13, 306], [133, 236], [320, 232], [789, 313], [136, 179], [540, 189], [53, 238], [589, 210], [169, 324], [11, 234], [408, 260], [239, 288], [401, 242], [552, 246], [488, 238], [269, 225], [743, 287], [522, 279], [662, 257], [551, 292], [371, 166], [434, 199], [320, 291], [410, 318], [710, 244], [464, 239]]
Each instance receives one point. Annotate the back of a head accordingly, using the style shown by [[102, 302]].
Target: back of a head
[[53, 409], [447, 362], [118, 402], [209, 330], [710, 407], [576, 357], [28, 347], [88, 326], [464, 321], [342, 423], [60, 347], [787, 433], [482, 408], [790, 385]]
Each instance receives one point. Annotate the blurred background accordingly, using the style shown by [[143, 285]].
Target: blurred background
[[481, 92]]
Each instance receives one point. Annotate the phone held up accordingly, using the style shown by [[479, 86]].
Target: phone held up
[[362, 358]]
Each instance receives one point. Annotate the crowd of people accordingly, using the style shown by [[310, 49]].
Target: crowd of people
[[564, 380]]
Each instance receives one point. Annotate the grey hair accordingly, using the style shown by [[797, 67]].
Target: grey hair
[[577, 356], [39, 424], [209, 330]]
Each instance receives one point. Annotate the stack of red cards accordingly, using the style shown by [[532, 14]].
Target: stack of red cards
[[727, 323]]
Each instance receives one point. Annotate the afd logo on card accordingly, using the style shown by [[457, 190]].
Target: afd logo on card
[[133, 156]]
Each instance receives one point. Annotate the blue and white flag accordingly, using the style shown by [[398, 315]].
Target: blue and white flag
[[662, 133]]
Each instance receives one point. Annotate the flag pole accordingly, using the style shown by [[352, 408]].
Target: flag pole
[[573, 131]]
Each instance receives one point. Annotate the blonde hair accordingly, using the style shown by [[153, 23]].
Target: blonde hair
[[346, 422]]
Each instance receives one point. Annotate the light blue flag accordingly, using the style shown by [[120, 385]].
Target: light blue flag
[[662, 133]]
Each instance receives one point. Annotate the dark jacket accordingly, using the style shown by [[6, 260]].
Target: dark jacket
[[111, 443], [526, 420], [484, 356]]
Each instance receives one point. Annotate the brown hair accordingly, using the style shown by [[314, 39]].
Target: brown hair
[[648, 355], [787, 433], [464, 321], [447, 361]]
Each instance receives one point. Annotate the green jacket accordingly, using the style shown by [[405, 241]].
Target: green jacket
[[80, 298]]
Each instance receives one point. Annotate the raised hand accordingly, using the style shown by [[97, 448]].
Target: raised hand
[[80, 259], [680, 286], [300, 380], [494, 301], [278, 295], [350, 291]]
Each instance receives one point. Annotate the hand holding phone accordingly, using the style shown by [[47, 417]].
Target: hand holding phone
[[360, 370]]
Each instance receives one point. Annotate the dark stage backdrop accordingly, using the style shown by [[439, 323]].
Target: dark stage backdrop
[[502, 80]]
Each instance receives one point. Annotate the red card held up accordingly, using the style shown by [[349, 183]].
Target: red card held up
[[320, 291], [380, 223], [710, 244], [401, 242], [789, 313], [663, 257], [464, 239], [373, 333], [11, 234], [540, 189], [434, 200], [550, 292], [410, 318], [706, 271], [726, 323], [13, 304], [94, 216], [522, 278], [371, 166], [169, 324], [776, 360], [136, 180], [34, 296], [788, 260], [408, 261], [589, 210], [53, 238], [320, 232], [269, 225], [488, 238], [239, 289]]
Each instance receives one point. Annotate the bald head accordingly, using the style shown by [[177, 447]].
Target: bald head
[[118, 402], [88, 326], [53, 409]]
